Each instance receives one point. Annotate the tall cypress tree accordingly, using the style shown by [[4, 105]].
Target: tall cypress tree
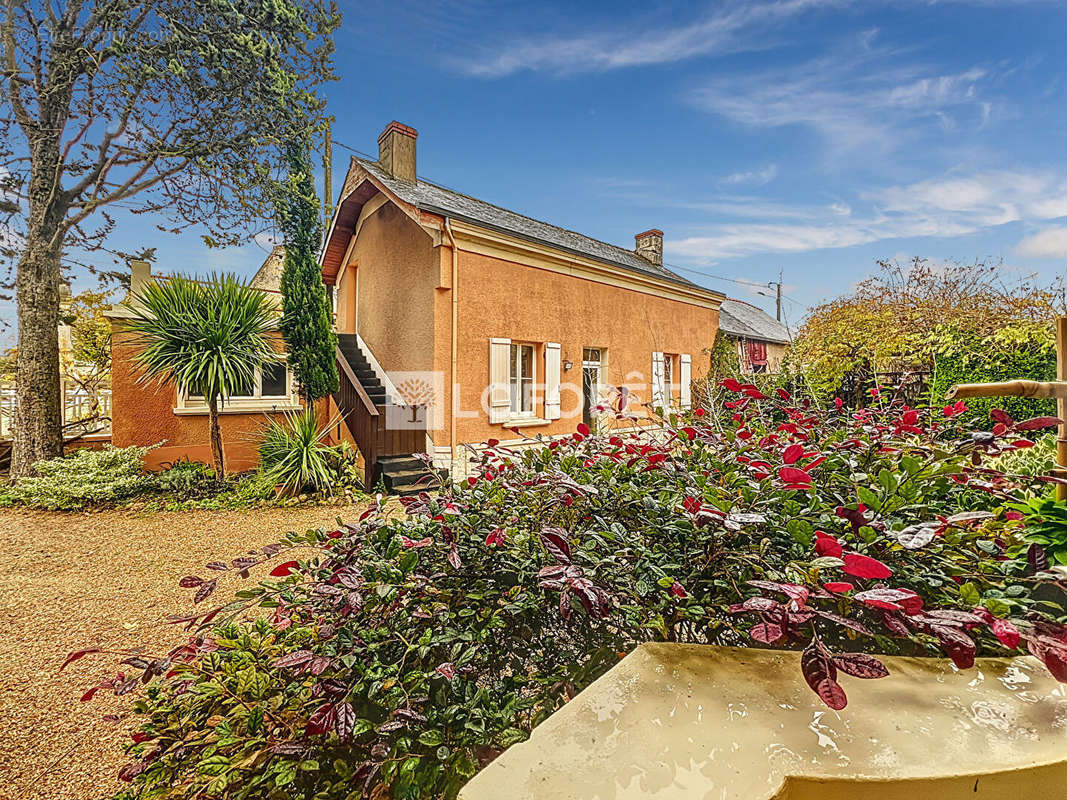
[[306, 324]]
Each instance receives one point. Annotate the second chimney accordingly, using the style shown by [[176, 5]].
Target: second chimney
[[650, 246], [396, 151]]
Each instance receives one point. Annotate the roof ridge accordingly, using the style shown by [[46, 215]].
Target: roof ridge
[[532, 219]]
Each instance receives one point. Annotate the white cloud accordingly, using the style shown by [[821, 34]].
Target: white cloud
[[1049, 243], [953, 205], [739, 29], [756, 177], [858, 97]]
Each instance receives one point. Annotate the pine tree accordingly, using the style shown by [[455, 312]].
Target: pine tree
[[306, 322]]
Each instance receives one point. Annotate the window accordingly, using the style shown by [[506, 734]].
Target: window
[[274, 381], [273, 388], [668, 377], [521, 379], [592, 373]]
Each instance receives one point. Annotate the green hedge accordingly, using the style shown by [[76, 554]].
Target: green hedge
[[1032, 363]]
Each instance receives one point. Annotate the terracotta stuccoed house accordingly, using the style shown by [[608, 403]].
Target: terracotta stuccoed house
[[460, 321]]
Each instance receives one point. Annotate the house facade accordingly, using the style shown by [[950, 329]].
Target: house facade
[[513, 326], [460, 322], [761, 341]]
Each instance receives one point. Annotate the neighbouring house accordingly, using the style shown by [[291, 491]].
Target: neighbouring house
[[460, 322], [760, 339], [147, 413]]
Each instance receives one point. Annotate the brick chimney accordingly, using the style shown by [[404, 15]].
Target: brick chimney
[[396, 151], [650, 246]]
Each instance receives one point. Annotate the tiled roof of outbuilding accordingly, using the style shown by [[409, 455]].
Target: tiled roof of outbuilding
[[439, 200], [746, 321]]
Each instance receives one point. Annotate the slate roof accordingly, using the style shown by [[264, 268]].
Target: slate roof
[[746, 321], [439, 200]]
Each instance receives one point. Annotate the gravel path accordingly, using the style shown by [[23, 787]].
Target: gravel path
[[69, 581]]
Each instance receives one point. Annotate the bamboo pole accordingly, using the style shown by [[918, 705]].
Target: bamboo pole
[[1061, 408], [1016, 388], [1024, 388]]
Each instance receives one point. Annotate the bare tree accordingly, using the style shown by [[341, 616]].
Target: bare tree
[[175, 108]]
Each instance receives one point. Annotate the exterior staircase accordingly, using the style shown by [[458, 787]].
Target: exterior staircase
[[388, 454]]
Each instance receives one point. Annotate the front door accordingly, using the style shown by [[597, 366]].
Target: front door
[[591, 367]]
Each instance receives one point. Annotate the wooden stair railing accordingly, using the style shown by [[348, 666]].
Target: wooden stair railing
[[365, 422], [368, 425]]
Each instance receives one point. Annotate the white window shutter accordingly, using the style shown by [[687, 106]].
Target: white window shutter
[[657, 380], [685, 378], [552, 369], [499, 380]]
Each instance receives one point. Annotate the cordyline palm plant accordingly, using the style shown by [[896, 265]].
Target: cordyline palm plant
[[295, 453], [207, 337]]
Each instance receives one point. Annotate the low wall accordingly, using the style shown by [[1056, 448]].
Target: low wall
[[675, 722]]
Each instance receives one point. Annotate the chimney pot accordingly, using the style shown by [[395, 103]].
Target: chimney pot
[[396, 150], [650, 246], [140, 274]]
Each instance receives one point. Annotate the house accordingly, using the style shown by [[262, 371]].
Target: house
[[460, 322], [760, 339], [150, 413]]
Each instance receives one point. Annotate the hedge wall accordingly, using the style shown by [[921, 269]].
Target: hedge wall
[[1032, 363]]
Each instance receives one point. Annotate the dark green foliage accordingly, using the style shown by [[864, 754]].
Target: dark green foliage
[[306, 323], [295, 455], [1046, 526], [188, 480], [1027, 360], [206, 337], [395, 656]]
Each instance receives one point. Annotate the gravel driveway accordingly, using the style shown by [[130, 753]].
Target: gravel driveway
[[69, 581]]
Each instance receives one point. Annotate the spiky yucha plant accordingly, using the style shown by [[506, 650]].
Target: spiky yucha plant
[[207, 337]]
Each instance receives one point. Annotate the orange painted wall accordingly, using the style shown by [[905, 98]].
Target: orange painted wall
[[404, 298], [499, 298], [397, 273], [143, 414]]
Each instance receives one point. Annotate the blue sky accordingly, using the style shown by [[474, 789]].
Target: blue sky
[[807, 136]]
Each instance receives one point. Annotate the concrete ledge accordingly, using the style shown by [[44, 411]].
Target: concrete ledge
[[676, 722]]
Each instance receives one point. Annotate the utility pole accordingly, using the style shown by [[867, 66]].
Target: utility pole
[[327, 174], [777, 295]]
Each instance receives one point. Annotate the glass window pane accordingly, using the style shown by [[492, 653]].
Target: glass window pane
[[273, 380], [526, 365], [244, 391]]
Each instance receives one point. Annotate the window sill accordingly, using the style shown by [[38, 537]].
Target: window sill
[[525, 422], [248, 407]]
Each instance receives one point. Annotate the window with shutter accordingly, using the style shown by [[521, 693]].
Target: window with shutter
[[685, 379], [499, 380], [552, 377], [657, 379]]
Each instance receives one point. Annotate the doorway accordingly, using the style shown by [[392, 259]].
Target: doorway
[[592, 366]]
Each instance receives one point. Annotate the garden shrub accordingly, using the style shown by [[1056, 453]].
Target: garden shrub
[[295, 457], [1037, 460], [396, 655], [187, 480], [86, 477], [962, 361]]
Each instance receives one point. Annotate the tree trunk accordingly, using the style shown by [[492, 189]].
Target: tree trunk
[[218, 458], [37, 430], [38, 426]]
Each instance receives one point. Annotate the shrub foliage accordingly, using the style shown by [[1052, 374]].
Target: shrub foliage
[[86, 477], [397, 654]]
